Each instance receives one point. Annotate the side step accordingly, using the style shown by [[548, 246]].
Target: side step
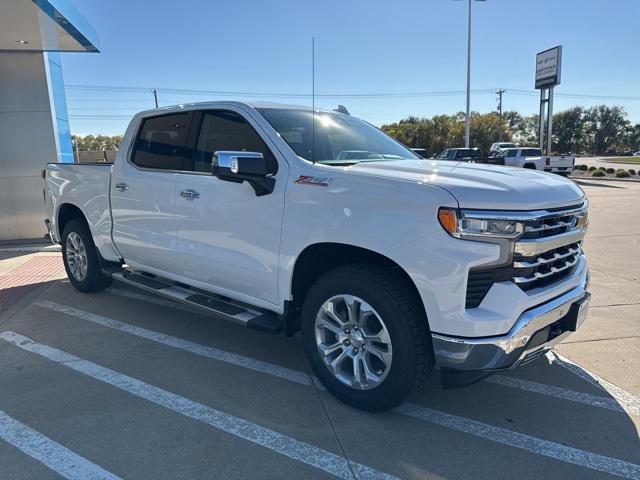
[[267, 322]]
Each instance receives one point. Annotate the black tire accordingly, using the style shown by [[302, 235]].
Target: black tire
[[387, 292], [94, 280], [530, 166]]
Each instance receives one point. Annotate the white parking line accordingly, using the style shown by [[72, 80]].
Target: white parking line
[[46, 451], [302, 378], [203, 351], [542, 447], [628, 401], [557, 392], [624, 401], [500, 435], [277, 442]]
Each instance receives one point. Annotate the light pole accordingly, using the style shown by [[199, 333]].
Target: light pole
[[467, 123]]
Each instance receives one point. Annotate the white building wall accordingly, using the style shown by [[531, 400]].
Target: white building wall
[[30, 91]]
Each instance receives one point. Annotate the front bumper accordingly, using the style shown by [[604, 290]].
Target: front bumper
[[535, 332]]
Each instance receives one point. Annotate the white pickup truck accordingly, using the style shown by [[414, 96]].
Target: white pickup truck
[[530, 157], [388, 264]]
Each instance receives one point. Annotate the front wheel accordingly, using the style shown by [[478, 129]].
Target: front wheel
[[365, 335], [80, 257]]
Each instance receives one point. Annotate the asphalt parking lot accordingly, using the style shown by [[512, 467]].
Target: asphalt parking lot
[[122, 384]]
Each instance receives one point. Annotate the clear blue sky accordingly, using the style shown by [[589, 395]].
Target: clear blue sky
[[362, 46]]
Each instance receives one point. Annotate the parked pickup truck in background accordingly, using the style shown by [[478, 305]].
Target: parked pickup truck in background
[[388, 264], [528, 157], [472, 155]]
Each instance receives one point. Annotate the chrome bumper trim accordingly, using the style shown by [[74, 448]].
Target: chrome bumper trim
[[509, 350]]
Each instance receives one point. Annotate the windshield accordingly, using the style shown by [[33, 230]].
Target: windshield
[[506, 145], [339, 139]]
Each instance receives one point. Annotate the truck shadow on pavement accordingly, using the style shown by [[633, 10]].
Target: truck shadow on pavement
[[549, 419]]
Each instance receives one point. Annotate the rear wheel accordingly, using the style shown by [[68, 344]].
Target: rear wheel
[[365, 335], [81, 258]]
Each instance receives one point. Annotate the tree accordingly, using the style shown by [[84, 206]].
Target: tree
[[569, 132], [633, 137], [487, 129], [607, 128], [97, 143]]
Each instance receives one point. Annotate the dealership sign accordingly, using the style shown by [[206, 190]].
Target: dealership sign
[[548, 67]]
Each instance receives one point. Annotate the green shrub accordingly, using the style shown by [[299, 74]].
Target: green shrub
[[622, 173], [602, 168], [598, 173], [631, 171], [610, 170], [592, 168], [581, 167]]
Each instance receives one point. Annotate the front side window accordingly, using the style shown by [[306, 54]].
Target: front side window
[[338, 138], [225, 130], [161, 142], [512, 153]]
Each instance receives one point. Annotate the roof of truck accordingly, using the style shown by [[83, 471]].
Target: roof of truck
[[219, 103]]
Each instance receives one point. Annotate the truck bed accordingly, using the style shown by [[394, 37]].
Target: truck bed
[[85, 185]]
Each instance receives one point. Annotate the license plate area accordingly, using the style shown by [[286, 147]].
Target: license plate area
[[578, 313]]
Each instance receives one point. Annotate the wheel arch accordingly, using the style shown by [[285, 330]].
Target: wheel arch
[[319, 258], [66, 213]]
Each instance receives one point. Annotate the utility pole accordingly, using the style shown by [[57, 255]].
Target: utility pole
[[500, 92], [467, 121], [155, 96]]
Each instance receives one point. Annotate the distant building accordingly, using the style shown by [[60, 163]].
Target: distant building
[[34, 126]]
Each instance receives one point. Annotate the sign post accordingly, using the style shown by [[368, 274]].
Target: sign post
[[548, 68]]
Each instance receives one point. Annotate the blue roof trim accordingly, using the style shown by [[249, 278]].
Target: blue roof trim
[[63, 13]]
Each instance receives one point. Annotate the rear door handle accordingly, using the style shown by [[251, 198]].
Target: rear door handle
[[189, 194], [122, 186]]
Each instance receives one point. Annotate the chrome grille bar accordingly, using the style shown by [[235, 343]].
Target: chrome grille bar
[[538, 275], [537, 246], [547, 226], [544, 261]]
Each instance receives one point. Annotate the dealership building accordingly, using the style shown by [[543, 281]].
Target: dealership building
[[34, 124]]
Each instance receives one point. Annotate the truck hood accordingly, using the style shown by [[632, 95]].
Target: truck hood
[[482, 186]]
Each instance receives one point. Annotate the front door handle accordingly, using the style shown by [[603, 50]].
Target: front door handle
[[122, 186], [189, 194]]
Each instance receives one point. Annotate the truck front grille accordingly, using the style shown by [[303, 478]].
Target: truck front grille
[[548, 250]]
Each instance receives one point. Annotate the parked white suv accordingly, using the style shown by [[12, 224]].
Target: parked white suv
[[390, 265], [498, 147]]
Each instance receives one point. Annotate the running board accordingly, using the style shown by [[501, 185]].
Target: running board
[[267, 322]]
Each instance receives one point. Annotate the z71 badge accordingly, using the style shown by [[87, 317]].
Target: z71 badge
[[311, 180]]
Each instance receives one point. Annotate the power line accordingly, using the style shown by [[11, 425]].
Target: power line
[[132, 89], [119, 89]]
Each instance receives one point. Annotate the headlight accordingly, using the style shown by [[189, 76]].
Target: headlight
[[461, 224]]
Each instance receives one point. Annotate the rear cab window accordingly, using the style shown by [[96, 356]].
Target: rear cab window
[[161, 142], [531, 152]]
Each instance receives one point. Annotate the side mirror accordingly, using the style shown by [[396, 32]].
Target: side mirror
[[238, 167]]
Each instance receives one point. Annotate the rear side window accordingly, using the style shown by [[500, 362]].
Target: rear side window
[[226, 130], [161, 142]]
